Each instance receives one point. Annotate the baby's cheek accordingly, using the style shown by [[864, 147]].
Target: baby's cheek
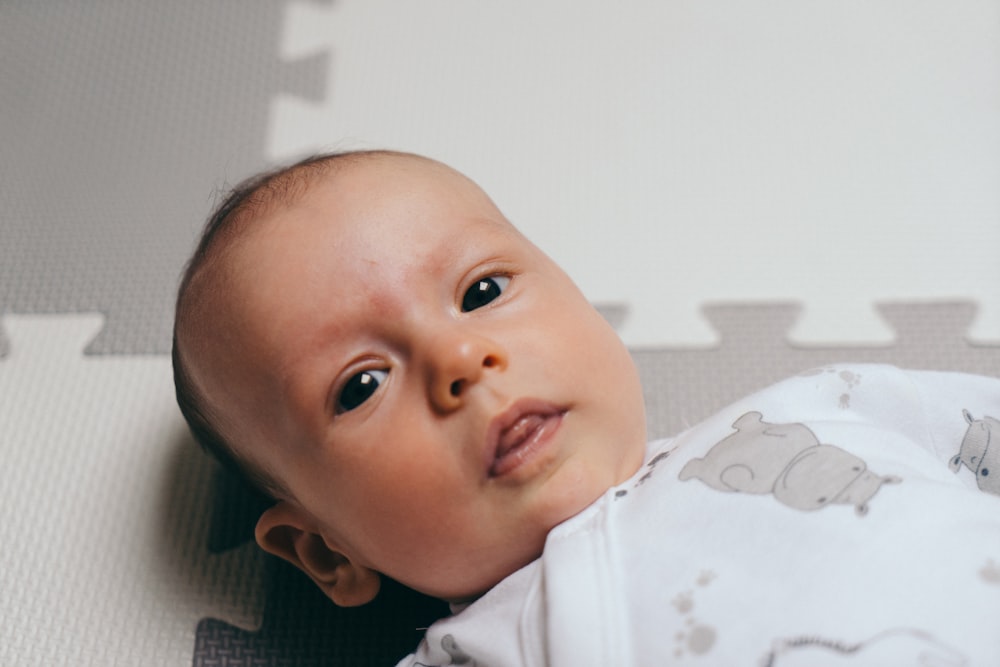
[[411, 494]]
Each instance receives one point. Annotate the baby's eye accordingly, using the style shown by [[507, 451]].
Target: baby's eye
[[485, 290], [359, 389]]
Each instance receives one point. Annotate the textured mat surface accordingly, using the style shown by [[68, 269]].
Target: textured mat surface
[[119, 123], [105, 554]]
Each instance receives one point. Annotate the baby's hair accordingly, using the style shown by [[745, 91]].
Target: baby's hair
[[251, 199]]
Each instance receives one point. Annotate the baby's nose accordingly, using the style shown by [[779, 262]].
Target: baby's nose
[[459, 364]]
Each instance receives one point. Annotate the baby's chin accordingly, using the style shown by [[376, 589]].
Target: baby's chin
[[461, 599], [477, 575], [579, 484], [573, 488]]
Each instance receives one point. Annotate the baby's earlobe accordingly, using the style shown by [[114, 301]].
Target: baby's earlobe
[[354, 585], [284, 531]]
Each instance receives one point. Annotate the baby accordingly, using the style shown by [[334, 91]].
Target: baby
[[421, 389], [426, 395]]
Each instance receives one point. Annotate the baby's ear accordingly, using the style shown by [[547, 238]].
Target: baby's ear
[[285, 531]]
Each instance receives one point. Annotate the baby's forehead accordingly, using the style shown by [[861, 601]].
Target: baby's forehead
[[380, 191], [394, 207], [390, 209]]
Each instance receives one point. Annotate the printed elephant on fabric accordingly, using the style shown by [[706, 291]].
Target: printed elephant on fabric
[[788, 461]]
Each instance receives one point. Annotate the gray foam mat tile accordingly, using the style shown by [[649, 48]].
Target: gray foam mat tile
[[685, 385], [118, 124]]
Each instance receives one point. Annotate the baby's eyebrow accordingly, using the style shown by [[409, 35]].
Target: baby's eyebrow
[[455, 247], [501, 223], [321, 344]]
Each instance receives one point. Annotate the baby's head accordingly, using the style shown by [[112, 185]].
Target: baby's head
[[423, 391]]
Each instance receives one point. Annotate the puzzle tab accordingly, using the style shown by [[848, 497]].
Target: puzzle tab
[[685, 385]]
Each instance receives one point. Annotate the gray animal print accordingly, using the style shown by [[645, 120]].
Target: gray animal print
[[899, 647], [457, 655], [788, 461], [695, 637], [980, 452]]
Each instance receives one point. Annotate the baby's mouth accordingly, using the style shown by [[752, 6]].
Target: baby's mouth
[[519, 432]]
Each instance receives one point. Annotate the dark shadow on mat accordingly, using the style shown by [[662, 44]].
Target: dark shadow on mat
[[303, 628]]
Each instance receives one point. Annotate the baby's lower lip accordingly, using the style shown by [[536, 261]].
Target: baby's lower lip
[[523, 441]]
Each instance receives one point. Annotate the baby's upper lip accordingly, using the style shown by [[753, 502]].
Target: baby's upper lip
[[506, 420]]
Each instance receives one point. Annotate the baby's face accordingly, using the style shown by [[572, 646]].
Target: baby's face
[[432, 389]]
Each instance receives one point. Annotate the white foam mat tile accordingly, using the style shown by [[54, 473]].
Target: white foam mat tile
[[672, 154], [103, 499]]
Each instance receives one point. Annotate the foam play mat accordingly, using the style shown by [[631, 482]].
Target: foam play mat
[[744, 189]]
